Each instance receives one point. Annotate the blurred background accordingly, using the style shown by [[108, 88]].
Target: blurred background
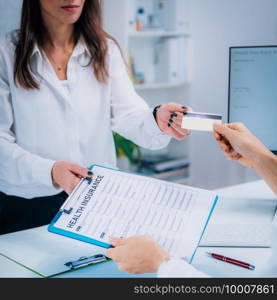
[[178, 51]]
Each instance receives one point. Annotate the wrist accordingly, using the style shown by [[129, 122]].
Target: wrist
[[262, 159], [55, 184], [162, 260], [155, 111]]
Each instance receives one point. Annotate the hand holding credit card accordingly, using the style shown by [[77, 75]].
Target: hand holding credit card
[[200, 121]]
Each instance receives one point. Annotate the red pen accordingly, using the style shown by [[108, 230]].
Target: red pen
[[232, 261]]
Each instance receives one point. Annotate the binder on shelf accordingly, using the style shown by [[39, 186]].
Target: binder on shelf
[[132, 71], [173, 170], [171, 14], [165, 165], [171, 66]]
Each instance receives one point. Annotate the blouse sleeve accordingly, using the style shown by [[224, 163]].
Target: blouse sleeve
[[175, 268], [131, 116], [20, 170]]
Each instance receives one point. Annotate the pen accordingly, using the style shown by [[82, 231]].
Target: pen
[[232, 261]]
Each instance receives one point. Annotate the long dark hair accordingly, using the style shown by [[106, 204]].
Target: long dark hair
[[32, 30]]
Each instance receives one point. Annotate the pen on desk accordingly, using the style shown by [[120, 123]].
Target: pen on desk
[[232, 261]]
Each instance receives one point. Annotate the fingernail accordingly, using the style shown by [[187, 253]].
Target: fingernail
[[170, 121], [184, 107], [173, 115], [168, 124], [89, 180], [90, 173]]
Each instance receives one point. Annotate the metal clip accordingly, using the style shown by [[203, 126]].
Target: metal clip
[[86, 261], [71, 198], [67, 211]]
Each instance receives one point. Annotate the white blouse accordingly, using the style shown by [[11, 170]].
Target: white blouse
[[178, 268], [72, 121]]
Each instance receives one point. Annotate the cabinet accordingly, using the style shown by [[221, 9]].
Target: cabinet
[[155, 39]]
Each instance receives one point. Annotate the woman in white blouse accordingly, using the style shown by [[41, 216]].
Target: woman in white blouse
[[64, 89]]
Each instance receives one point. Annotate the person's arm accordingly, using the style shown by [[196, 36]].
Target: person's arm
[[239, 144], [266, 167], [132, 118], [141, 254], [22, 173], [17, 166]]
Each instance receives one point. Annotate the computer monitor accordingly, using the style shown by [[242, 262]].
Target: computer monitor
[[253, 91]]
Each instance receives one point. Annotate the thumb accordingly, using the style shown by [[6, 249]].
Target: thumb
[[223, 130], [117, 241], [78, 170]]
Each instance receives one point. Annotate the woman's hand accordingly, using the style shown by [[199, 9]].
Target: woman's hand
[[169, 119], [137, 255], [66, 175], [239, 144]]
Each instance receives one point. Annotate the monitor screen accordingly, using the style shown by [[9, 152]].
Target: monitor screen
[[253, 91]]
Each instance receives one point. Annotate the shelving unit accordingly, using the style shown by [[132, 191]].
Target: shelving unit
[[159, 55], [157, 33], [153, 86]]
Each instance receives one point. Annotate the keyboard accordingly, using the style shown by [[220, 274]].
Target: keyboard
[[237, 235]]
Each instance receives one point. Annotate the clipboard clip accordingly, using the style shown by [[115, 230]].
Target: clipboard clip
[[86, 261], [68, 211]]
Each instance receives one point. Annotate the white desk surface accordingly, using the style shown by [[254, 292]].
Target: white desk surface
[[9, 269], [257, 190]]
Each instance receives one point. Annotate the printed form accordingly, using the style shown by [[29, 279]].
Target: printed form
[[120, 204]]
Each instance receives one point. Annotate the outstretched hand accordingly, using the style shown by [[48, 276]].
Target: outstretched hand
[[238, 143], [137, 255], [67, 175], [169, 119]]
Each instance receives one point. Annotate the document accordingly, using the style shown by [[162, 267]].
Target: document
[[120, 204]]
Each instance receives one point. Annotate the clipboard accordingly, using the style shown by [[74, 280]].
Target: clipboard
[[49, 255], [67, 208], [70, 205]]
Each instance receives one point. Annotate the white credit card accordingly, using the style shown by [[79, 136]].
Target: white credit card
[[200, 121]]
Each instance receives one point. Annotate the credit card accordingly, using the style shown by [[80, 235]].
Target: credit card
[[200, 121]]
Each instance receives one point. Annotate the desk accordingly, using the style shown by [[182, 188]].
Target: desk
[[11, 269], [257, 191]]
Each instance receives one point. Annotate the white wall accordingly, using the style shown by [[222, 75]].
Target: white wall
[[216, 25], [9, 15]]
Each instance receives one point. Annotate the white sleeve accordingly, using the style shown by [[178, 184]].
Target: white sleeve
[[19, 169], [131, 116], [175, 268]]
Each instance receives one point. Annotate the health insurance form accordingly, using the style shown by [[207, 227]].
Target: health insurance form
[[119, 204]]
